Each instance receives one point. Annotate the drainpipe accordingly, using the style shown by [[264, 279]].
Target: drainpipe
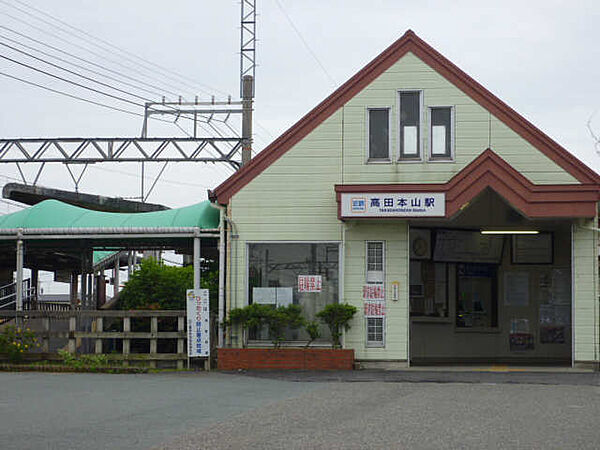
[[222, 218]]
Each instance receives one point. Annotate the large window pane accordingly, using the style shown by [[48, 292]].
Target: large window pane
[[296, 273], [410, 122], [379, 134], [441, 136]]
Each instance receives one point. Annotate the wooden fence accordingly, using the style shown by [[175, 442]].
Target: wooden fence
[[87, 332]]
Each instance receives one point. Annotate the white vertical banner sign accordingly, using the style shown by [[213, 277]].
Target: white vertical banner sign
[[198, 323]]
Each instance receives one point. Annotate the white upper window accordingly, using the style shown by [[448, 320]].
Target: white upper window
[[410, 125], [441, 132], [379, 134]]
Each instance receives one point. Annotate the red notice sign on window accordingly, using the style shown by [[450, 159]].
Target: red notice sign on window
[[373, 292], [310, 283], [374, 308]]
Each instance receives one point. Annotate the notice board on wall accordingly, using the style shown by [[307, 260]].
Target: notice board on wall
[[532, 249], [467, 246]]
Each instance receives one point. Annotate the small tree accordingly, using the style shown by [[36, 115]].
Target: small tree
[[251, 316], [314, 333], [337, 316], [155, 285], [281, 318]]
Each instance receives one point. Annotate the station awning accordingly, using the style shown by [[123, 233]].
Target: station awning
[[55, 215]]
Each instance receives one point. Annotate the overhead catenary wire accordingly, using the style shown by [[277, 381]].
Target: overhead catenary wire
[[145, 99], [131, 56], [72, 72], [73, 44], [305, 43], [56, 49], [79, 66], [66, 80], [56, 91]]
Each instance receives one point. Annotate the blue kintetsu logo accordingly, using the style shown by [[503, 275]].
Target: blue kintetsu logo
[[358, 204]]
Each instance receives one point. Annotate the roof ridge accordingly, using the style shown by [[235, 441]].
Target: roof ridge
[[409, 41]]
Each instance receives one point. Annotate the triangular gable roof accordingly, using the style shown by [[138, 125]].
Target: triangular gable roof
[[409, 42], [490, 171]]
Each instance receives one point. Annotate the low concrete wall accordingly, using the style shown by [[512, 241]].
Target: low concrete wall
[[285, 358]]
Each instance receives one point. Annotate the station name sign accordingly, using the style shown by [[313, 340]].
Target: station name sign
[[398, 204]]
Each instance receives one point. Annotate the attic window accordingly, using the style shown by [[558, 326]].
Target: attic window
[[410, 125], [440, 133], [379, 134]]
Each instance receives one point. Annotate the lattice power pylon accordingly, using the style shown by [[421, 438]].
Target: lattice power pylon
[[248, 42]]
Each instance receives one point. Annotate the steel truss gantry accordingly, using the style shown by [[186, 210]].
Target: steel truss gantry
[[127, 149]]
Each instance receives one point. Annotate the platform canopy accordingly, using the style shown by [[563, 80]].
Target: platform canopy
[[53, 214], [59, 236]]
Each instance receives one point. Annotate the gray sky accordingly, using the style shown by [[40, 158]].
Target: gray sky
[[541, 57]]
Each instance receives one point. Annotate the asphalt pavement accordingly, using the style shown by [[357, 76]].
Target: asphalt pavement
[[361, 409]]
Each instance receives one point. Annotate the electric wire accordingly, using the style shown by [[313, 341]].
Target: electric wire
[[131, 55], [72, 72], [73, 44], [79, 66], [312, 53], [81, 76], [37, 41], [56, 91], [66, 80]]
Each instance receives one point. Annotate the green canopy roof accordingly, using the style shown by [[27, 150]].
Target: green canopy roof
[[55, 214]]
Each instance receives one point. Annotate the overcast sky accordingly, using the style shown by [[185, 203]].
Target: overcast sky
[[541, 57]]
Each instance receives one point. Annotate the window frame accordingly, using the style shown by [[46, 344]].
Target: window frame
[[383, 261], [368, 158], [441, 158], [375, 344], [420, 157], [246, 296]]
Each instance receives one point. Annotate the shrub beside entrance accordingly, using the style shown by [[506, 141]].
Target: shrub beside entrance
[[337, 317]]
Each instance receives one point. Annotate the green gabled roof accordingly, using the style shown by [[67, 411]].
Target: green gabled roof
[[55, 214]]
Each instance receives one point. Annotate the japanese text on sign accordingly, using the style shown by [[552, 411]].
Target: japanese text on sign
[[198, 328], [393, 205], [374, 292], [310, 283], [374, 308]]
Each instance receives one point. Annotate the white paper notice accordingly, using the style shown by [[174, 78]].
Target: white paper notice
[[516, 289], [410, 141], [438, 140], [285, 296], [264, 296]]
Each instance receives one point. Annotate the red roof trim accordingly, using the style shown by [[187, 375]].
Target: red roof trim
[[489, 170], [409, 42]]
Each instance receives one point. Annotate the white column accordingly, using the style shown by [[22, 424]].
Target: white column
[[196, 262], [221, 276], [117, 276], [19, 286]]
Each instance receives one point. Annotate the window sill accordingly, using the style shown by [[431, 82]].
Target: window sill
[[379, 161], [441, 160], [409, 160]]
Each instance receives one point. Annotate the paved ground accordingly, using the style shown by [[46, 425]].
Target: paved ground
[[173, 411]]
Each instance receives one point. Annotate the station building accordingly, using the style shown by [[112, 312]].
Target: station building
[[460, 231]]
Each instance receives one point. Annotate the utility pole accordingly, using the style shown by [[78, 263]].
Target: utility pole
[[247, 91]]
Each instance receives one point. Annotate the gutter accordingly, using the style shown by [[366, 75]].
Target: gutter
[[105, 233]]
